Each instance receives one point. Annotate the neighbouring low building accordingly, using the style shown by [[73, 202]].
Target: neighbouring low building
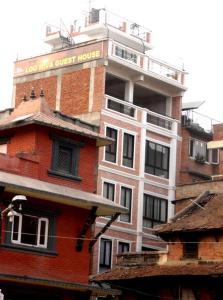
[[192, 268]]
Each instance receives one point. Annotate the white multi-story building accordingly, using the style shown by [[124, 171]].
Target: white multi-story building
[[102, 73]]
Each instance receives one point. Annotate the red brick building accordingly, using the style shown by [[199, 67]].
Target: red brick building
[[198, 161], [46, 240], [103, 72], [193, 266]]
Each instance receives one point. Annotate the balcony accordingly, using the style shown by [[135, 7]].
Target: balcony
[[132, 112]]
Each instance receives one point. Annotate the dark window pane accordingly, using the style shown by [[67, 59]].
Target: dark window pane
[[126, 201], [123, 247], [29, 230], [15, 228], [64, 162], [157, 159], [128, 150], [42, 232], [110, 150], [190, 249], [154, 211], [105, 254], [65, 158], [109, 191]]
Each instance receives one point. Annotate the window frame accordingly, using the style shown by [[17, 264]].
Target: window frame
[[195, 146], [48, 246], [104, 266], [146, 210], [158, 164], [109, 185], [20, 233], [190, 247], [128, 151], [123, 245], [211, 155], [130, 206], [111, 150], [74, 147]]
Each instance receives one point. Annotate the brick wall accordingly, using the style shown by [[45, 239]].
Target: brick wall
[[68, 264], [48, 84], [188, 164], [73, 98], [34, 147]]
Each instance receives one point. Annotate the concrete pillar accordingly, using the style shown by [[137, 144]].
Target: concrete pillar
[[129, 91]]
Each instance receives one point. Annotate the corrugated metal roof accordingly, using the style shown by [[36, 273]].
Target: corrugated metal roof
[[191, 105]]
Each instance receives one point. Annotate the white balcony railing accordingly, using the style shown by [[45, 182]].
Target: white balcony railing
[[128, 110], [146, 63]]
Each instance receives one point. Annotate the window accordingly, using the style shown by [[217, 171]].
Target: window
[[4, 144], [105, 255], [190, 248], [126, 201], [3, 148], [109, 191], [154, 211], [214, 156], [198, 150], [128, 150], [111, 150], [31, 230], [65, 158], [157, 159], [123, 247]]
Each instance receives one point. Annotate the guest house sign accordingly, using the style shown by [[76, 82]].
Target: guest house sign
[[58, 59]]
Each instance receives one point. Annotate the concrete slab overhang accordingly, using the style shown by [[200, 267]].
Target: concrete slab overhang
[[58, 193]]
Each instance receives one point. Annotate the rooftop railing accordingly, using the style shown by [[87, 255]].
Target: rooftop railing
[[147, 63]]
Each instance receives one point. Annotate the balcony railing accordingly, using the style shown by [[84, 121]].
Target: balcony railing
[[159, 121], [121, 107], [130, 110], [147, 63]]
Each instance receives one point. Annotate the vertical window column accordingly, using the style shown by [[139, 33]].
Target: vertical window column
[[126, 201], [105, 254], [128, 150], [111, 150]]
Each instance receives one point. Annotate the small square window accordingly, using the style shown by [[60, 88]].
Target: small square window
[[65, 158], [190, 248], [123, 247]]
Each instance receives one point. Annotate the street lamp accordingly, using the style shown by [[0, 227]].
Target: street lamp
[[16, 204]]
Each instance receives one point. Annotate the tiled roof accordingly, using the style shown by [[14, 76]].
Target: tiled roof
[[203, 215], [37, 112], [192, 269]]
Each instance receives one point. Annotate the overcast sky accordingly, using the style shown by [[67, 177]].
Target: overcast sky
[[184, 32]]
